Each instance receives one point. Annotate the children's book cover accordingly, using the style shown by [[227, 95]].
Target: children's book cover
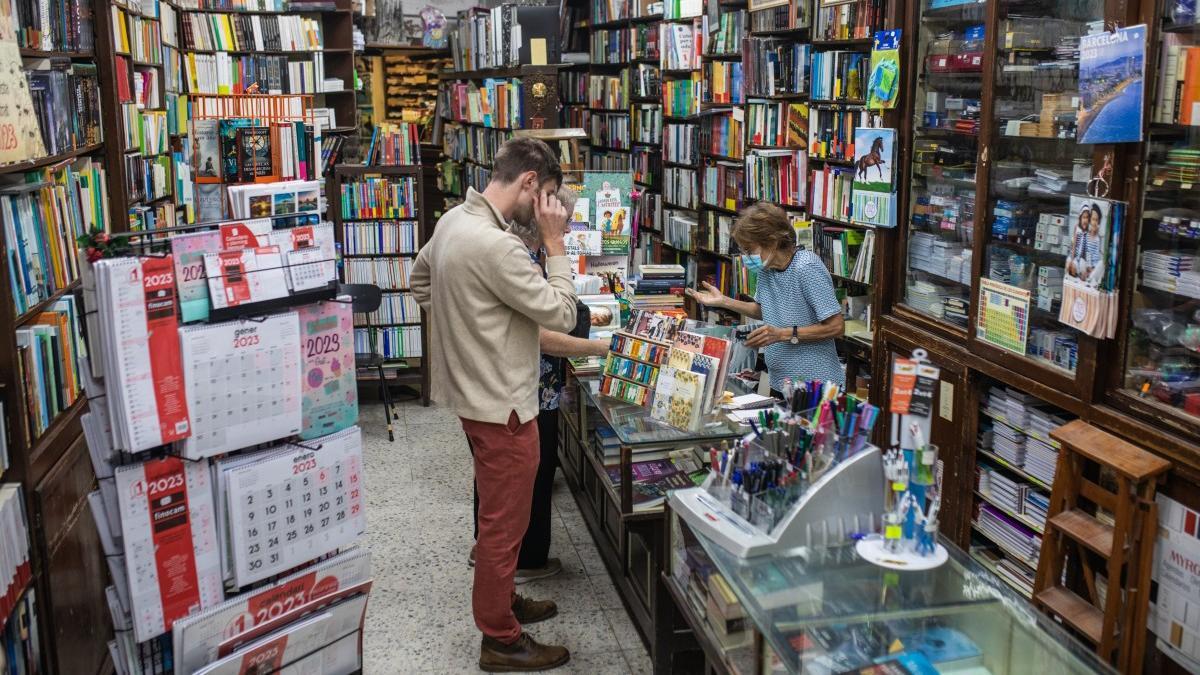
[[330, 396], [874, 187], [1112, 68], [610, 196]]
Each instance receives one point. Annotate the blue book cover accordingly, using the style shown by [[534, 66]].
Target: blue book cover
[[1112, 68]]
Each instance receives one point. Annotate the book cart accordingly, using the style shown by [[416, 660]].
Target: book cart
[[389, 235]]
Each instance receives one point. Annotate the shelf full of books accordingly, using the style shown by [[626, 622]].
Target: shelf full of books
[[380, 229], [53, 188]]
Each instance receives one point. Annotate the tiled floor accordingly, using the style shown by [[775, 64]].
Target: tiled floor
[[419, 532]]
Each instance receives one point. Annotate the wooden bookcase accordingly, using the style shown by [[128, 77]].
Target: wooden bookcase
[[406, 370], [55, 475]]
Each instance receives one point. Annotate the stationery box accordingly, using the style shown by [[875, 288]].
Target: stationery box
[[935, 102], [969, 62], [939, 63], [955, 103]]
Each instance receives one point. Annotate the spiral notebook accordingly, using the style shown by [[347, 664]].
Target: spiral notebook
[[243, 383]]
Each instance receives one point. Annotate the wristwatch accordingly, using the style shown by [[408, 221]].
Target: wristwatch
[[795, 336]]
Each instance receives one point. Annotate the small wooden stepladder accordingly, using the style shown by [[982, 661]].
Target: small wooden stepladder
[[1123, 551]]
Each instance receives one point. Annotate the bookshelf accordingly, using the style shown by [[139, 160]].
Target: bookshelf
[[40, 389], [158, 57], [378, 246], [400, 85]]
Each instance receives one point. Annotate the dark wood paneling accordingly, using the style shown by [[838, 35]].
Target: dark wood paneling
[[74, 615]]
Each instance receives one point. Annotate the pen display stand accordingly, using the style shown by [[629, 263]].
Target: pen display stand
[[846, 499]]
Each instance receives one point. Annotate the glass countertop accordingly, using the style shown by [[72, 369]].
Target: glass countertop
[[813, 604], [634, 426]]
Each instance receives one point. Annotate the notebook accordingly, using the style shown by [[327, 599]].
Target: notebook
[[330, 390], [287, 506], [143, 380], [170, 542], [198, 637], [243, 383]]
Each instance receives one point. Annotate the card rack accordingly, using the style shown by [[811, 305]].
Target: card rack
[[405, 370]]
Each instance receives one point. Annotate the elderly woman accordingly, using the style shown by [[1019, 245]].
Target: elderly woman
[[794, 298]]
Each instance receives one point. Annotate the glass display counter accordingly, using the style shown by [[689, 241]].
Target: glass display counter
[[828, 611], [601, 441]]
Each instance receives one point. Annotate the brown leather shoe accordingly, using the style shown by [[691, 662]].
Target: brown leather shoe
[[533, 611], [521, 656]]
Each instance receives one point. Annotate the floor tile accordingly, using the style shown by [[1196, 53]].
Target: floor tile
[[639, 661], [420, 532]]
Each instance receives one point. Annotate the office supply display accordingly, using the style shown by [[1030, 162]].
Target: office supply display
[[243, 383], [290, 505], [139, 343], [170, 540]]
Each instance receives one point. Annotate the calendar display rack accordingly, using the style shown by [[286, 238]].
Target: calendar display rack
[[279, 498], [406, 368]]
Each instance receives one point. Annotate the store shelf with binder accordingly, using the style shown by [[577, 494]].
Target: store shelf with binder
[[629, 538], [378, 237]]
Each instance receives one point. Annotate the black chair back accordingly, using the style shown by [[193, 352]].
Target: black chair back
[[365, 298]]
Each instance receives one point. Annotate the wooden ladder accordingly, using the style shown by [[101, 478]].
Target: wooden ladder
[[1123, 551]]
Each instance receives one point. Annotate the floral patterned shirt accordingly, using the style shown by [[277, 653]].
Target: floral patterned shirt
[[550, 384]]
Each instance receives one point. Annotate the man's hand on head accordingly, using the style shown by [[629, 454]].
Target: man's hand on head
[[551, 218]]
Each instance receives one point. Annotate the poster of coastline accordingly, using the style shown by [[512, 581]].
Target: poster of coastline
[[1112, 69]]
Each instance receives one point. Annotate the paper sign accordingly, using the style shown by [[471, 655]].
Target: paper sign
[[537, 52], [946, 401]]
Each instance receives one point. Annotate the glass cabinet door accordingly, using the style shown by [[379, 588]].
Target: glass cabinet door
[[1162, 360], [946, 118], [1037, 164]]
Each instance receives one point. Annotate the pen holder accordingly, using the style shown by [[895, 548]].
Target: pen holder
[[924, 463]]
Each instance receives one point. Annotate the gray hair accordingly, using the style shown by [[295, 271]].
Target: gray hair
[[528, 231]]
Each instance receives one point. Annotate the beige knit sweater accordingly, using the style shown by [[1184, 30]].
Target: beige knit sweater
[[485, 300]]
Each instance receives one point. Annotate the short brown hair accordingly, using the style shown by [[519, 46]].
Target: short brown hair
[[763, 224], [519, 155]]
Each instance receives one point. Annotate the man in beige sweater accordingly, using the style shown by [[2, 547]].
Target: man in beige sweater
[[485, 302]]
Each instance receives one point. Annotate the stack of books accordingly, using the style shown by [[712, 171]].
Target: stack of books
[[659, 289]]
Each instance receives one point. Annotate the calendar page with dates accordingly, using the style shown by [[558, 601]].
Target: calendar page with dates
[[294, 504]]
